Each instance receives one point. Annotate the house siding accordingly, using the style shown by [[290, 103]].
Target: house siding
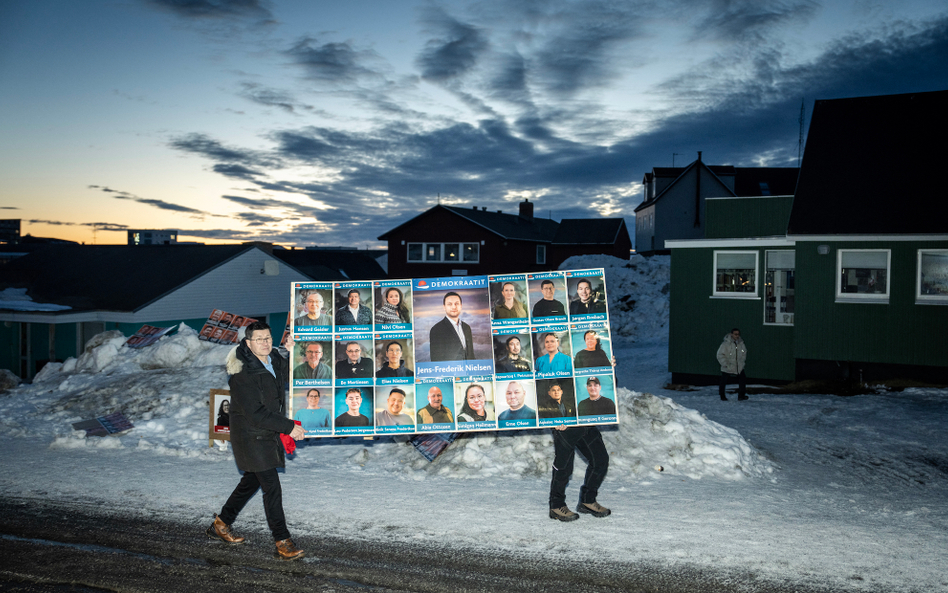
[[747, 217], [698, 323], [899, 333]]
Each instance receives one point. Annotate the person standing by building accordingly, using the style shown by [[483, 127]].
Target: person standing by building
[[732, 354], [258, 379]]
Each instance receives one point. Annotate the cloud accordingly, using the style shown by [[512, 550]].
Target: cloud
[[160, 204], [453, 51], [9, 208], [217, 9], [205, 146], [739, 19], [101, 226], [333, 62], [268, 97]]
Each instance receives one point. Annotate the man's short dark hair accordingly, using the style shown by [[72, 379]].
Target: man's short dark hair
[[397, 390], [389, 345], [256, 325], [451, 294], [511, 339], [351, 343], [587, 281], [353, 290], [735, 330], [545, 282], [312, 390], [353, 390]]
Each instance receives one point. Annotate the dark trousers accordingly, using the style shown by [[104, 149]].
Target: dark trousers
[[741, 379], [588, 440], [269, 482]]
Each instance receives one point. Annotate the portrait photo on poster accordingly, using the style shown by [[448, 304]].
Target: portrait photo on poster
[[353, 306], [395, 408], [393, 309], [556, 399], [353, 406], [516, 403], [312, 406], [221, 404], [436, 414], [586, 291], [508, 298], [452, 328], [592, 347], [513, 352], [394, 358], [547, 296], [353, 359], [311, 302], [553, 352], [597, 398], [474, 402], [312, 359]]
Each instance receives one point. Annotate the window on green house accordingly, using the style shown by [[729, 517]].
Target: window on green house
[[735, 274], [779, 288], [932, 276], [863, 275]]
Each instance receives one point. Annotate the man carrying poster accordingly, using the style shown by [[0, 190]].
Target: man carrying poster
[[451, 338], [313, 367], [512, 362], [434, 412], [258, 376]]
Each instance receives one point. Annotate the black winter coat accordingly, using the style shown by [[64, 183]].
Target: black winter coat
[[257, 411]]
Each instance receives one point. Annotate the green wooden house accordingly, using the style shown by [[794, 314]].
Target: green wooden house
[[846, 279]]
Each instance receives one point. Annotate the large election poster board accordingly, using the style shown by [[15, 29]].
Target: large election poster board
[[456, 354]]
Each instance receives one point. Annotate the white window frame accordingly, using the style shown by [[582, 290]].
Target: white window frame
[[461, 255], [858, 297], [927, 299], [735, 295], [778, 315]]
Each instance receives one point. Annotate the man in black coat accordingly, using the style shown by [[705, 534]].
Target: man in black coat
[[258, 379], [445, 339]]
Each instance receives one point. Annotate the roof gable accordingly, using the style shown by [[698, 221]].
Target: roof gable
[[506, 226], [868, 170]]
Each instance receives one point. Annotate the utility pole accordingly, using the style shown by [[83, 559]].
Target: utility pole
[[800, 140]]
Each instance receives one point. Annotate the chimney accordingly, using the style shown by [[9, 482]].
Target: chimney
[[526, 211]]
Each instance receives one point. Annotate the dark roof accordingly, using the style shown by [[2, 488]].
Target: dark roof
[[589, 231], [765, 181], [872, 165], [111, 277], [507, 226], [333, 264], [676, 172]]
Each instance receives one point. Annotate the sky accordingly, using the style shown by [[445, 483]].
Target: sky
[[328, 123]]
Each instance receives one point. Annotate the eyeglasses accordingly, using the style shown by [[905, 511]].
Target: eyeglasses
[[262, 340]]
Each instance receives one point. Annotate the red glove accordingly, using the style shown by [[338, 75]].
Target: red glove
[[288, 443]]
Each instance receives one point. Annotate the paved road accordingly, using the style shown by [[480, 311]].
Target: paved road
[[47, 547]]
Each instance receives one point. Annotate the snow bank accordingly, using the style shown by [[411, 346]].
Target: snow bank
[[637, 290], [654, 431]]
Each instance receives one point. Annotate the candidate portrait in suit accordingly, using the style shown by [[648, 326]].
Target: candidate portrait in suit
[[451, 338]]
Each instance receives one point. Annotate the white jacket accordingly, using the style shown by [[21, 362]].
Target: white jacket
[[732, 355]]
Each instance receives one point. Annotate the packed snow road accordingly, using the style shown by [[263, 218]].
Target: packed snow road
[[85, 547]]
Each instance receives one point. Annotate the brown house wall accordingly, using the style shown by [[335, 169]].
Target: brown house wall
[[497, 255]]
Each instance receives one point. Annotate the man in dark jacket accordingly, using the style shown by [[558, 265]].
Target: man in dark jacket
[[258, 378], [451, 338]]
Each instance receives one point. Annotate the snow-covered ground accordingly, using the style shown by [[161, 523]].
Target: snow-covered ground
[[847, 493]]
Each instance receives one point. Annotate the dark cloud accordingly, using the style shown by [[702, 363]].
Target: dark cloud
[[453, 51], [100, 226], [333, 62], [268, 97], [160, 204], [203, 145], [9, 208], [217, 9], [739, 19], [236, 171]]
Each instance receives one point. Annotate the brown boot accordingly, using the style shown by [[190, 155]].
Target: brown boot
[[287, 550], [220, 530]]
